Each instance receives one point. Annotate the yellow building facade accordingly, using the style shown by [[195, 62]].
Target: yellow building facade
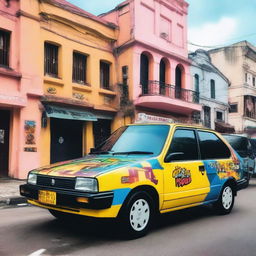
[[81, 97]]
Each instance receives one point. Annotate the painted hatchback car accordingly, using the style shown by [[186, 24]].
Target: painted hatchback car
[[141, 170]]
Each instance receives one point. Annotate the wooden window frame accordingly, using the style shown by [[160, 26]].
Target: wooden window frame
[[105, 68], [79, 68], [5, 39], [51, 59]]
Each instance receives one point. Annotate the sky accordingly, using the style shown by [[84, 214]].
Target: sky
[[211, 23]]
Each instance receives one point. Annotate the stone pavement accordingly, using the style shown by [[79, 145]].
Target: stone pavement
[[9, 191]]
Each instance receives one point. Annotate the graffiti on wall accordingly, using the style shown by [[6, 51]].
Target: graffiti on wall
[[30, 129]]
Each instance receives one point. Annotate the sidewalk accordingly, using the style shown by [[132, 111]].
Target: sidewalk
[[9, 191]]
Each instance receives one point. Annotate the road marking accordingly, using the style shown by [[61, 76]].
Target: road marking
[[37, 253]]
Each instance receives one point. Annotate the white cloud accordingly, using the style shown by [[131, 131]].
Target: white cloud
[[213, 34]]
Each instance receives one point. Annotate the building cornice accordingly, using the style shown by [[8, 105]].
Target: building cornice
[[77, 11], [27, 15], [75, 25], [10, 73]]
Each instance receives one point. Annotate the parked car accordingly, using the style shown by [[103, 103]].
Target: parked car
[[253, 143], [243, 147], [141, 170]]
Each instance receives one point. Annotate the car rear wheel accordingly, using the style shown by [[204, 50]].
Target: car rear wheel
[[136, 216], [226, 200]]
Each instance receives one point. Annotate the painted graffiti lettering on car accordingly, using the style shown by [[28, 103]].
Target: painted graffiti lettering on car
[[182, 176]]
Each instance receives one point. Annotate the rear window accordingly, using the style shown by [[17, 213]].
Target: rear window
[[240, 144], [212, 147]]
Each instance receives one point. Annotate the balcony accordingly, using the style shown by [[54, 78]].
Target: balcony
[[158, 95]]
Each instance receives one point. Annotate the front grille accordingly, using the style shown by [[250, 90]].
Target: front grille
[[65, 183]]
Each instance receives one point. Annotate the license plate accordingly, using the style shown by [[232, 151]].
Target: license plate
[[47, 197]]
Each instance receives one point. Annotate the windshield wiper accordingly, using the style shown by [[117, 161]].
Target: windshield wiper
[[134, 153], [101, 152]]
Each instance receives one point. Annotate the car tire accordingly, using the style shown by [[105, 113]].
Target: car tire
[[226, 200], [136, 215], [248, 177]]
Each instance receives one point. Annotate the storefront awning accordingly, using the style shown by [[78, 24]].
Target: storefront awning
[[224, 127], [104, 116], [69, 113]]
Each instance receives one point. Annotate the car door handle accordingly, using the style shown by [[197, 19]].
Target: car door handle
[[201, 169]]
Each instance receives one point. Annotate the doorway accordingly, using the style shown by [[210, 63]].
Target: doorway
[[101, 131], [4, 142], [66, 139]]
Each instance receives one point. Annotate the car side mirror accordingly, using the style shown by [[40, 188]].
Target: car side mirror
[[174, 156]]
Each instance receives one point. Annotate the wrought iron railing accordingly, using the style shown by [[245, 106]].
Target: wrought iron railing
[[156, 88]]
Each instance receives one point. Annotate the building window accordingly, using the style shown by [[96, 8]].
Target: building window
[[253, 81], [79, 68], [104, 75], [51, 59], [4, 47], [233, 108], [246, 77], [125, 75], [219, 116], [207, 116], [196, 81], [212, 89]]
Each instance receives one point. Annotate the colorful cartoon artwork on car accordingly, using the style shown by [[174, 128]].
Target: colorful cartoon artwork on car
[[134, 175], [182, 176], [92, 166]]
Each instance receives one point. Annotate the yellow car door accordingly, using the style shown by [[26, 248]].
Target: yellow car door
[[185, 179]]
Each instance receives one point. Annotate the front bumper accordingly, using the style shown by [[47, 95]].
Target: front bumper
[[68, 198]]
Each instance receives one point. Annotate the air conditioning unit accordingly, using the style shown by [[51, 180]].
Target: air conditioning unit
[[164, 35]]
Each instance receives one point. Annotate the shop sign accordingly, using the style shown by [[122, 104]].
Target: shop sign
[[142, 117], [14, 100]]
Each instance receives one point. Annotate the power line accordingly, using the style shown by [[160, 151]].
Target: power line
[[223, 44]]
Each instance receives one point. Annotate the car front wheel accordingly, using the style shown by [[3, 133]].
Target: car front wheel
[[136, 216]]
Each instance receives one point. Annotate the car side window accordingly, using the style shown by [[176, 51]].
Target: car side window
[[183, 146], [212, 147]]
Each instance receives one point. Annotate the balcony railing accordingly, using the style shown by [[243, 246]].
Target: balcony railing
[[156, 88]]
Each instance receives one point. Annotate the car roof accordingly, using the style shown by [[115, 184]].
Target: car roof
[[194, 126], [235, 135]]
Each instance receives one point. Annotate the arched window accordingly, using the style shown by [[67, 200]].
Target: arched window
[[144, 73], [178, 81], [162, 77], [212, 89]]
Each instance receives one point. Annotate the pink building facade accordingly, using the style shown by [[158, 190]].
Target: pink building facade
[[20, 89], [153, 58]]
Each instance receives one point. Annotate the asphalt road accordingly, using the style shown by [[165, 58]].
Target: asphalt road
[[198, 231]]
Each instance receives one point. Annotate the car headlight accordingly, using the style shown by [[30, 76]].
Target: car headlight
[[32, 178], [86, 184]]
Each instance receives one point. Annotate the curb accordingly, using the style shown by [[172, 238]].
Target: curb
[[13, 201]]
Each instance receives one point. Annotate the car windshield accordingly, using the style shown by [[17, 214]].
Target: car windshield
[[240, 144], [137, 139]]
